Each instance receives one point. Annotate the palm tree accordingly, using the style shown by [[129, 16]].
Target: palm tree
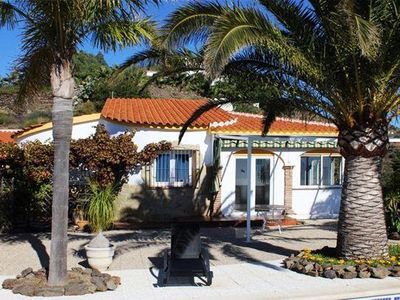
[[51, 34], [167, 62], [338, 59]]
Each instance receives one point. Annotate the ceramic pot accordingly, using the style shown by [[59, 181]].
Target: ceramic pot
[[100, 258]]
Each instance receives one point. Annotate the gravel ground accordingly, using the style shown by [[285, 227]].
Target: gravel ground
[[140, 249]]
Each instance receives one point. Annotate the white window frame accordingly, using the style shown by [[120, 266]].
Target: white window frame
[[321, 178], [172, 162]]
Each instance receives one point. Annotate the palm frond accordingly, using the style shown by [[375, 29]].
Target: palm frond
[[34, 68], [190, 23], [201, 110], [243, 27], [296, 18], [114, 33], [8, 15]]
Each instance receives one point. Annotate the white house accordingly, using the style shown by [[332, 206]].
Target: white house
[[296, 164]]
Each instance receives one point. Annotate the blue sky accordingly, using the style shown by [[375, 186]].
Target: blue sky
[[10, 40]]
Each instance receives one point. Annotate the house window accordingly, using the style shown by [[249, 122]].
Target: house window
[[310, 170], [332, 173], [311, 167], [173, 168]]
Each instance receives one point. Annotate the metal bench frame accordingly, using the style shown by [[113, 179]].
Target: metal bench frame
[[196, 266]]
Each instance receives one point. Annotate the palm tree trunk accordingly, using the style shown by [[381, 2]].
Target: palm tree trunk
[[63, 88], [362, 229]]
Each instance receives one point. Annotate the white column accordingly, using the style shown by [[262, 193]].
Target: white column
[[249, 190]]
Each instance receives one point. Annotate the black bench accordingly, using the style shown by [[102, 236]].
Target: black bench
[[186, 256]]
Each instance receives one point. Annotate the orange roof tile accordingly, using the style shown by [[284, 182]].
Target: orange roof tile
[[252, 124], [6, 136], [161, 112]]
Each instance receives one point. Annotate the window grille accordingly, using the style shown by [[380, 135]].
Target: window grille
[[173, 168]]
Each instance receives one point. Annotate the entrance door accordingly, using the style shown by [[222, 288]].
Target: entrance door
[[263, 166], [262, 185], [241, 184]]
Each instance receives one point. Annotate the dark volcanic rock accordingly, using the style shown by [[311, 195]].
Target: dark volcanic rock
[[349, 275], [309, 267], [99, 283], [9, 284], [288, 263], [82, 288], [111, 284], [380, 272], [331, 274], [26, 272], [49, 291], [364, 273], [116, 279], [24, 289], [395, 271], [79, 282]]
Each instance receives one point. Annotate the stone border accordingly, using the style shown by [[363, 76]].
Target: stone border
[[79, 282], [301, 265]]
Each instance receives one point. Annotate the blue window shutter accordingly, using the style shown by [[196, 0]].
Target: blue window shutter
[[162, 167], [182, 168]]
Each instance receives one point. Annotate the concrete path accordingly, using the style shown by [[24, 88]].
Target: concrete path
[[262, 280]]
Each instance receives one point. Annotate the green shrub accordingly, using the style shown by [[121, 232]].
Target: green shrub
[[85, 108], [103, 159], [394, 250], [101, 207], [6, 118], [37, 117], [392, 210], [5, 208]]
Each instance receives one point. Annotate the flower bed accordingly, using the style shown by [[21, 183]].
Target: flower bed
[[323, 263]]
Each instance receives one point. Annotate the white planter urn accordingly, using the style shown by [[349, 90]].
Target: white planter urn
[[100, 253]]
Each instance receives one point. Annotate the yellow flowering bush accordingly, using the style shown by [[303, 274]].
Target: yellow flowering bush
[[393, 260]]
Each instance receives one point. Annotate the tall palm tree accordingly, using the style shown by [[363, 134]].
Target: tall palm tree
[[51, 34], [339, 59]]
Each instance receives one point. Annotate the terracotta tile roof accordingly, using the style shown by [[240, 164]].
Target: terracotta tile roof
[[252, 124], [161, 112], [6, 136], [32, 129]]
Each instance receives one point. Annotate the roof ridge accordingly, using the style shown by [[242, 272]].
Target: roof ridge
[[239, 113], [222, 124], [174, 99], [283, 119], [307, 122]]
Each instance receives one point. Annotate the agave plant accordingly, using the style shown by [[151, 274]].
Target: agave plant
[[100, 209], [338, 59]]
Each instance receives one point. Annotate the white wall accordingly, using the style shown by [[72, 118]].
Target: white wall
[[308, 201], [79, 131], [144, 136]]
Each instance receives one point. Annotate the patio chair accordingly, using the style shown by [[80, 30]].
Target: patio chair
[[186, 257], [274, 213]]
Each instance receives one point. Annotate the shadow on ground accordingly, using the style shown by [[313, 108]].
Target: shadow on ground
[[222, 240]]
